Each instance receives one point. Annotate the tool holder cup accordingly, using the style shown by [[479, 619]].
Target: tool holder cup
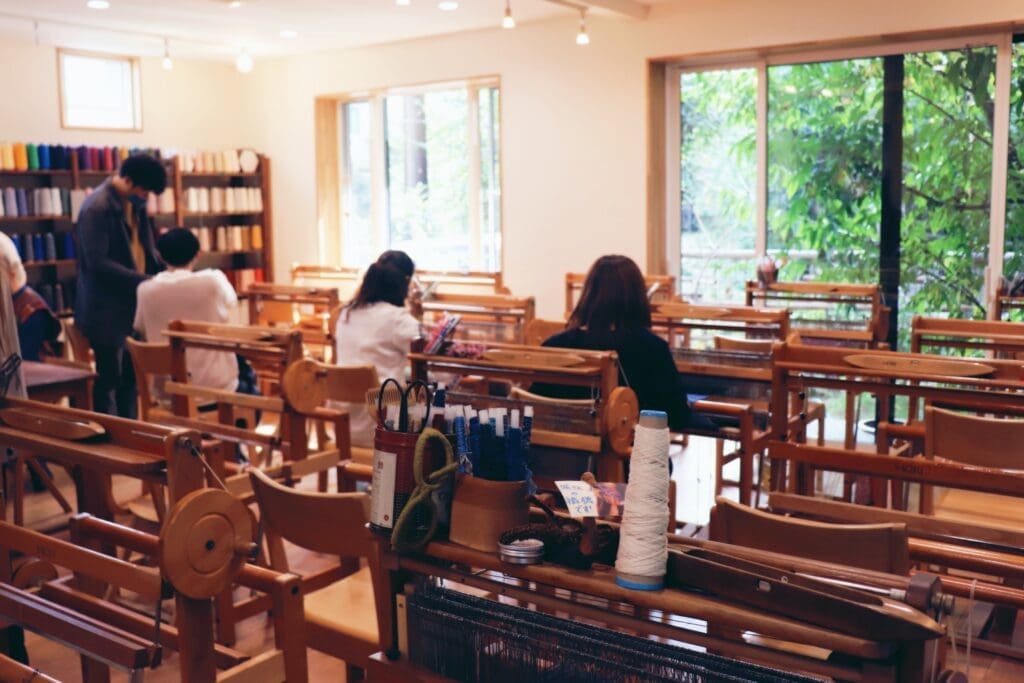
[[482, 510], [394, 478]]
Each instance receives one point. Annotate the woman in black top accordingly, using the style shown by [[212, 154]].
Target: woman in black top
[[613, 314]]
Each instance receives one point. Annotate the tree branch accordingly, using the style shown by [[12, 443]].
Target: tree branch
[[935, 201], [983, 136]]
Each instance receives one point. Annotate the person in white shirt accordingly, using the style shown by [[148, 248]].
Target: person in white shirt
[[376, 329], [10, 264], [179, 293]]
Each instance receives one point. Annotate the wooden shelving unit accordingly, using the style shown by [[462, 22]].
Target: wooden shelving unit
[[230, 261], [49, 273]]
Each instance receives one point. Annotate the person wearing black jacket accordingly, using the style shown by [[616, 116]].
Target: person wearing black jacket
[[613, 314], [116, 253]]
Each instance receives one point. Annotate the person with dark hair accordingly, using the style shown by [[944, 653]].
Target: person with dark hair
[[115, 242], [179, 293], [398, 260], [613, 314], [376, 329]]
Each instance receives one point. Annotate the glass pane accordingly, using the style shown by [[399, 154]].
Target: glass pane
[[98, 92], [1013, 246], [428, 177], [357, 189], [947, 177], [824, 169], [718, 178], [490, 178]]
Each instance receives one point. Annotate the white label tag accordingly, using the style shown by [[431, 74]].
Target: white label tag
[[579, 498], [382, 498]]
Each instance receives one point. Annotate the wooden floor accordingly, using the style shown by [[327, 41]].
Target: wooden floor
[[694, 476]]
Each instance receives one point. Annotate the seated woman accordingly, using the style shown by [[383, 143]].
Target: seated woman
[[376, 329], [38, 327], [613, 314]]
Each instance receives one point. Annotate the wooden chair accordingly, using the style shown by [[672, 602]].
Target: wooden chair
[[341, 619], [309, 385], [538, 330], [984, 442], [815, 411], [77, 345], [879, 547]]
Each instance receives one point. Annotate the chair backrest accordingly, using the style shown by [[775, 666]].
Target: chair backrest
[[538, 330], [974, 440], [150, 360], [81, 351], [309, 384], [740, 344], [880, 547], [332, 523]]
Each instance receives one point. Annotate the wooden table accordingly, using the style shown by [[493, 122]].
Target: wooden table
[[51, 382]]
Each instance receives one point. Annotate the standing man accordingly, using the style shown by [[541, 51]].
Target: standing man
[[115, 242]]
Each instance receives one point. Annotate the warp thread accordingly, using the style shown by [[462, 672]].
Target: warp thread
[[643, 546]]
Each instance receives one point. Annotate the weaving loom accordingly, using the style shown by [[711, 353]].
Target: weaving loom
[[660, 288], [461, 639], [598, 428], [306, 309], [484, 317], [828, 312], [689, 326]]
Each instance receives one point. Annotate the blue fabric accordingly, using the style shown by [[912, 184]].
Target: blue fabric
[[69, 245], [107, 278], [44, 156], [22, 201], [10, 202]]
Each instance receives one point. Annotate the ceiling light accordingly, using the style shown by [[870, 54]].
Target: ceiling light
[[98, 4], [448, 5], [235, 4], [582, 38], [289, 34], [508, 21], [167, 63], [244, 62], [402, 3]]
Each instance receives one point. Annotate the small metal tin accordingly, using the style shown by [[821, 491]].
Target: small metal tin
[[526, 551]]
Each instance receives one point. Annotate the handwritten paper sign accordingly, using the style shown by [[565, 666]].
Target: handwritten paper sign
[[579, 498]]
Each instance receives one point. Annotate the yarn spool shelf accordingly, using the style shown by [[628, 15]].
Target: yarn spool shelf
[[251, 262], [242, 266]]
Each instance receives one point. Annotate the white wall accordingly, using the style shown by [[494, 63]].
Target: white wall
[[573, 119], [194, 106]]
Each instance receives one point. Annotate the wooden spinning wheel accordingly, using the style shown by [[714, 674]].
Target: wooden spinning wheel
[[303, 385], [205, 542], [620, 419]]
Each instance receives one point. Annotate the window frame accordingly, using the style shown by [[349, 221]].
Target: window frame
[[1002, 41], [379, 202], [136, 78]]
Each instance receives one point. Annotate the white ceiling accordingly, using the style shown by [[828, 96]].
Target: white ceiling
[[212, 29]]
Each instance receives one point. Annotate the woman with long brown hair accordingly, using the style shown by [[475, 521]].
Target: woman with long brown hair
[[613, 314], [375, 329]]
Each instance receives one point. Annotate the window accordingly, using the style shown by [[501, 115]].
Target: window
[[787, 156], [99, 91], [421, 173]]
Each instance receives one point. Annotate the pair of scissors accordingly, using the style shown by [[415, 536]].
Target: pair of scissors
[[417, 524], [417, 388]]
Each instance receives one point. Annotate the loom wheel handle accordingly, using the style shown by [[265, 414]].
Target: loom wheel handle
[[620, 419], [206, 540], [304, 386]]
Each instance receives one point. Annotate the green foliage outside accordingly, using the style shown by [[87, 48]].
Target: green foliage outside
[[824, 175]]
